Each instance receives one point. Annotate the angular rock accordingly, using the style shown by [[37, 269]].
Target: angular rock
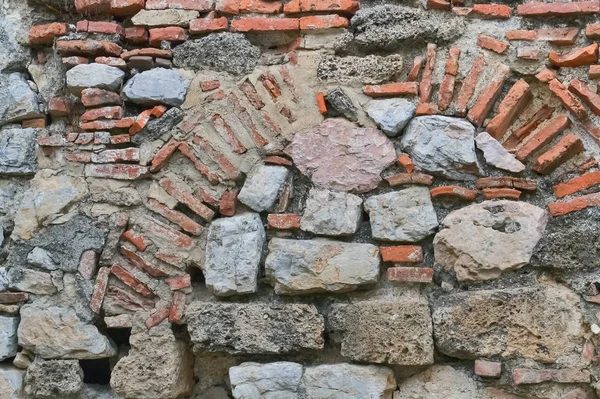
[[159, 126], [91, 391], [54, 332], [372, 69], [341, 105], [407, 215], [262, 186], [41, 258], [320, 265], [233, 251], [49, 379], [254, 327], [18, 149], [8, 337], [49, 77], [14, 56], [164, 17], [443, 146], [441, 382], [271, 380], [496, 155], [11, 382], [510, 323], [391, 115], [338, 155], [379, 331], [17, 101], [157, 86], [348, 381], [331, 213], [28, 280], [226, 52], [94, 75], [481, 241]]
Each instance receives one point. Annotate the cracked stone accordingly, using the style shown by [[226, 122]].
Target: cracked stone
[[262, 186], [496, 155], [157, 86], [331, 213], [391, 115]]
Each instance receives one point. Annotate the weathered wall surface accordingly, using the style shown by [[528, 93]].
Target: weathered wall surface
[[299, 199]]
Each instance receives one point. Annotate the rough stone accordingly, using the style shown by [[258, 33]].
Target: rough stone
[[41, 258], [372, 69], [11, 382], [331, 213], [391, 115], [443, 146], [13, 54], [338, 155], [320, 265], [395, 331], [94, 75], [233, 252], [49, 77], [8, 337], [278, 380], [226, 52], [158, 127], [407, 215], [481, 241], [18, 151], [441, 382], [341, 105], [157, 86], [33, 281], [50, 379], [496, 155], [262, 186], [167, 17], [17, 100], [92, 391], [258, 328]]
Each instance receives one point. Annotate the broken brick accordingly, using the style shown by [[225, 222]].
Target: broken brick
[[545, 75], [185, 149], [131, 154], [108, 124], [113, 112], [124, 8], [409, 178], [425, 86], [543, 136], [99, 289], [283, 221], [182, 194], [130, 280], [594, 72], [491, 11], [136, 35], [227, 134], [174, 34], [98, 97], [176, 217], [406, 162], [575, 58], [565, 149], [321, 103], [489, 43], [453, 191], [468, 86], [426, 109], [45, 34], [586, 94], [517, 98], [58, 107], [402, 254], [79, 156], [88, 48], [197, 5], [558, 36], [209, 85], [116, 171], [141, 263], [439, 5], [250, 92], [87, 264], [147, 52], [530, 54], [492, 193], [265, 24], [209, 24], [410, 274], [487, 368], [13, 297], [528, 35], [163, 155], [315, 22], [506, 181], [533, 376], [177, 307], [413, 74], [38, 123], [391, 89], [577, 184], [518, 135], [136, 239], [157, 317], [277, 160], [111, 61], [568, 99], [576, 204], [228, 201], [179, 282], [488, 95]]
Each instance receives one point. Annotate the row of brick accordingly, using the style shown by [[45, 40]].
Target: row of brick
[[527, 10]]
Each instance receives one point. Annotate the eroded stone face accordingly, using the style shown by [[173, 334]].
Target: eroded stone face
[[331, 213], [271, 380], [262, 187], [18, 152], [47, 379], [441, 382], [157, 86]]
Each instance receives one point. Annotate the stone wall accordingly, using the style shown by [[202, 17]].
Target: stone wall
[[299, 199]]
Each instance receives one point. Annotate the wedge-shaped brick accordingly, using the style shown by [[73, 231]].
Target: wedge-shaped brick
[[488, 96], [543, 136], [575, 58], [564, 150], [515, 101]]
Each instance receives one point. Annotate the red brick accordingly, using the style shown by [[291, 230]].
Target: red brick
[[491, 193], [108, 124], [265, 24], [13, 297], [344, 6], [92, 6], [114, 112], [131, 154], [491, 11], [163, 155], [97, 97], [70, 62], [425, 86], [576, 204], [453, 191], [486, 368], [136, 239], [123, 8], [468, 86], [197, 5], [446, 90], [518, 135], [406, 162], [183, 195], [174, 34], [176, 217], [179, 282], [517, 98], [209, 85], [58, 107], [594, 72], [45, 34], [228, 202], [140, 122], [227, 134], [185, 149], [545, 75], [120, 139], [391, 89], [88, 48], [323, 22], [569, 100], [158, 111], [157, 317], [99, 289], [462, 11], [117, 171], [529, 54], [402, 254], [147, 52], [111, 61], [409, 178], [533, 376], [243, 115], [528, 35], [139, 262], [109, 28], [79, 156], [85, 138], [321, 103], [209, 24], [543, 136], [586, 94], [129, 301], [283, 221], [38, 123], [488, 96], [489, 43], [285, 111], [136, 35], [426, 109], [227, 6], [228, 168], [574, 58], [413, 74], [177, 307], [565, 149], [410, 274], [592, 31], [277, 160], [558, 9], [439, 5], [577, 184], [251, 94], [130, 280], [506, 181], [260, 7], [558, 36], [51, 141]]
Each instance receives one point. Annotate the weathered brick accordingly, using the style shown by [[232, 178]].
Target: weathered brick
[[136, 239], [243, 115], [251, 94], [119, 321], [439, 5], [226, 166], [174, 34], [51, 141], [577, 184], [88, 48], [446, 90], [58, 107], [510, 193], [488, 95], [285, 221], [37, 123], [534, 376], [576, 204], [163, 155], [13, 297], [123, 8], [391, 89], [228, 202], [208, 24], [198, 5], [185, 149], [120, 139], [139, 262], [402, 254], [321, 103], [99, 289], [569, 100], [136, 35], [565, 149], [179, 282], [176, 217], [529, 53], [413, 74], [70, 62], [116, 171], [177, 307], [594, 72], [426, 109], [87, 264], [45, 34], [343, 6], [532, 123], [506, 181], [545, 75], [519, 34], [409, 178], [277, 160], [410, 274], [157, 317], [181, 193], [315, 22], [468, 86], [592, 31], [260, 24], [425, 85], [491, 11], [92, 97], [209, 85], [227, 134], [109, 28], [586, 94], [92, 6], [489, 43], [147, 52], [405, 161], [543, 136], [558, 9], [131, 154], [558, 36], [108, 124], [130, 280], [227, 6], [487, 368], [114, 112], [453, 191], [574, 58], [79, 156], [517, 98], [111, 61]]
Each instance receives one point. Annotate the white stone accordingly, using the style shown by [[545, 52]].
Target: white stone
[[41, 258], [391, 115], [157, 86], [94, 75], [8, 337], [17, 100], [595, 328], [496, 155], [278, 380], [164, 17], [331, 213], [261, 188], [440, 382]]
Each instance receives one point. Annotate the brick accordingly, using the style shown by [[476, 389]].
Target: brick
[[185, 149], [108, 124], [439, 5], [87, 264], [70, 62], [228, 168], [529, 54], [179, 282], [92, 6], [462, 11], [517, 98], [545, 75], [577, 184], [402, 254], [558, 36], [227, 6], [413, 74], [426, 109], [251, 94], [321, 103], [163, 155], [38, 123], [209, 24], [277, 160], [209, 85], [140, 122], [453, 191], [287, 113], [13, 297], [197, 5], [487, 368], [243, 115], [116, 171], [167, 233], [343, 6], [85, 138], [285, 221], [265, 24], [140, 263], [177, 307], [491, 11], [410, 274], [51, 141], [58, 107], [510, 193], [586, 94], [147, 52], [130, 280], [506, 181], [157, 317], [594, 72], [125, 8], [88, 48], [543, 136], [409, 178], [181, 193], [45, 34], [111, 61], [113, 112], [525, 130], [425, 86], [98, 97], [71, 137], [576, 204], [99, 289], [176, 217], [260, 7], [592, 31], [468, 86], [539, 9], [109, 28], [136, 35], [406, 162], [129, 301], [528, 35], [82, 26], [489, 43], [120, 139], [391, 89], [79, 156], [228, 202], [136, 239], [173, 34], [575, 58], [446, 90], [158, 111], [227, 134], [568, 99], [532, 376], [315, 22], [565, 149], [131, 154], [488, 95]]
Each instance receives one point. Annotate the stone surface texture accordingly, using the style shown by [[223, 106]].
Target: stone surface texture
[[331, 213], [157, 86]]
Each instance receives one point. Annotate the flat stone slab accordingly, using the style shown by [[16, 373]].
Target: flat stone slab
[[157, 86], [262, 186], [99, 76]]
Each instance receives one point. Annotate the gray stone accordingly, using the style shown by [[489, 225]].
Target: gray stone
[[51, 379], [397, 331], [41, 258], [391, 115], [331, 213], [278, 380], [339, 104], [13, 54], [49, 77], [94, 75], [226, 52], [482, 241], [440, 382], [261, 188], [158, 127], [8, 337], [92, 391], [320, 265], [11, 382], [18, 149], [348, 381], [496, 155], [259, 328], [372, 69], [157, 86], [233, 251], [17, 100], [407, 215], [338, 155], [443, 146], [167, 17], [32, 281]]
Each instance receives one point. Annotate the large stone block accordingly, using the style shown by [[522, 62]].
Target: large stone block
[[18, 151], [278, 380], [94, 75], [49, 379], [262, 186], [331, 213], [157, 86]]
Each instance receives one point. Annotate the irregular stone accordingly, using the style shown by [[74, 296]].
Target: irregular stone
[[277, 380], [50, 379], [254, 327], [157, 86], [481, 241], [223, 52], [443, 146], [496, 155], [33, 281], [371, 69], [348, 381], [11, 382], [94, 75], [91, 391], [49, 77], [54, 332], [158, 127], [18, 149], [17, 101], [441, 382], [13, 54], [331, 213], [8, 337], [233, 251], [341, 105], [41, 258], [406, 215], [338, 155], [391, 115], [164, 17], [320, 265], [378, 331], [262, 186]]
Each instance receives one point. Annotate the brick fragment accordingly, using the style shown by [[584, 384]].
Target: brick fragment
[[185, 149], [136, 239], [228, 135], [565, 149], [116, 171], [251, 94], [491, 11], [147, 52], [173, 34], [492, 193], [113, 112], [489, 43], [38, 123], [88, 48], [530, 54], [528, 35], [321, 103], [402, 254], [98, 97], [125, 8], [228, 202], [406, 162], [260, 7], [545, 75], [558, 36], [108, 124], [87, 264], [176, 217], [163, 155], [413, 74], [439, 5], [316, 22], [51, 141], [179, 282], [391, 89], [536, 119], [586, 94], [70, 62], [259, 24], [277, 160], [410, 274], [426, 109], [109, 28], [453, 191], [409, 178], [468, 86], [543, 136], [577, 184], [532, 376], [58, 107], [209, 24], [99, 289], [506, 181], [228, 6], [13, 297], [286, 221], [131, 154], [342, 6], [120, 139], [136, 35], [592, 31], [177, 307], [197, 5], [228, 168], [157, 317], [130, 280], [569, 100], [594, 72], [487, 368], [488, 95], [79, 156], [447, 87], [111, 61], [517, 98], [181, 193], [558, 9], [119, 321], [92, 6], [209, 85], [139, 262], [241, 112], [140, 122], [425, 86], [576, 204], [45, 34], [575, 58]]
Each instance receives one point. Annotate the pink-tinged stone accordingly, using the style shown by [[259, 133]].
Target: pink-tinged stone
[[339, 155], [87, 264]]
